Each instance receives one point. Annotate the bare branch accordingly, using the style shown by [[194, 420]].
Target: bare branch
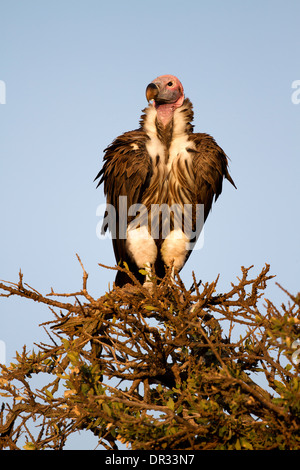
[[155, 370]]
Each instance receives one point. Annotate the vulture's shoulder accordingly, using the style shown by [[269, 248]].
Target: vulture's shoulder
[[210, 161], [125, 157], [127, 167]]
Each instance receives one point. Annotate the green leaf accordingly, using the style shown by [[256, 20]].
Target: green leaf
[[126, 266], [29, 446], [66, 343], [246, 444], [279, 385], [49, 394], [238, 445], [171, 404], [106, 408], [295, 383], [143, 272], [85, 388], [172, 431], [73, 356]]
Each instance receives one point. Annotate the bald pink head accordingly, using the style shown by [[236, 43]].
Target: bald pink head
[[167, 94]]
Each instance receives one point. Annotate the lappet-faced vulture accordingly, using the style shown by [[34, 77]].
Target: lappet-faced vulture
[[160, 181]]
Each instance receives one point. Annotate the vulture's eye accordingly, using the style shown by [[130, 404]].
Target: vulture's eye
[[170, 84]]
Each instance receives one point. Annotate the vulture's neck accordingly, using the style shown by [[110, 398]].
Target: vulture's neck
[[165, 113], [178, 125]]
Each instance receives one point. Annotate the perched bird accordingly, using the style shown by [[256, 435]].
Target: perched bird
[[160, 181]]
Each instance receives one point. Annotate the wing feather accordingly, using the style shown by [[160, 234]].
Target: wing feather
[[126, 171], [210, 165]]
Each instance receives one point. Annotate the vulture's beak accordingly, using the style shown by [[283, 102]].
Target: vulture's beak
[[152, 91]]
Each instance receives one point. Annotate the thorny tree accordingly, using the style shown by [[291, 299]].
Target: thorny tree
[[159, 370]]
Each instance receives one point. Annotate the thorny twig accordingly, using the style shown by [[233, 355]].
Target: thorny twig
[[182, 384]]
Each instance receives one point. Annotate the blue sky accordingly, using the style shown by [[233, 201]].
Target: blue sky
[[75, 73]]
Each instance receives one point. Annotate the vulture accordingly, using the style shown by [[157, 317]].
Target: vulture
[[160, 182]]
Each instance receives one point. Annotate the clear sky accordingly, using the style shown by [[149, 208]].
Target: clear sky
[[75, 73]]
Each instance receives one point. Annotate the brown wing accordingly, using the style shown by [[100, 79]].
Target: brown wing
[[210, 165], [126, 172]]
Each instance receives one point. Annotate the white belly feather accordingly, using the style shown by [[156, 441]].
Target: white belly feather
[[173, 180]]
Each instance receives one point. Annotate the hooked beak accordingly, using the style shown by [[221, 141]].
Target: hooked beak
[[152, 91]]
